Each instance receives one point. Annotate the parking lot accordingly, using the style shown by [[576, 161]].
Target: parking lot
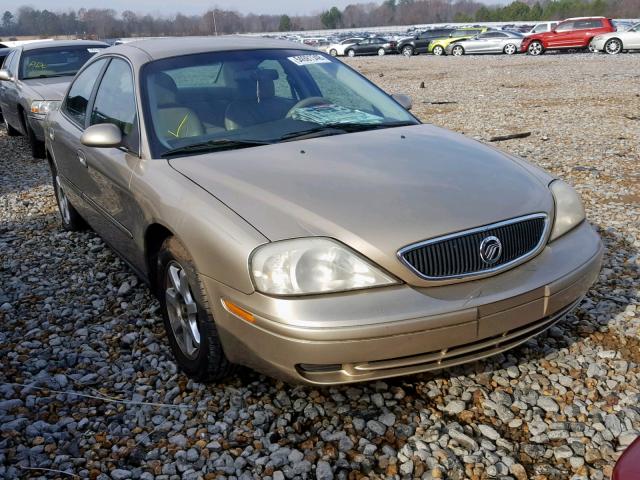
[[89, 387]]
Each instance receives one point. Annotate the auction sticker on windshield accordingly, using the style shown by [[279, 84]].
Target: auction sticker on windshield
[[302, 60]]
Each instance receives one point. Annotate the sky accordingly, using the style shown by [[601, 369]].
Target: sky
[[290, 7]]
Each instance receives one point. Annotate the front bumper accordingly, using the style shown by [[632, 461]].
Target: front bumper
[[401, 330], [598, 45], [37, 126]]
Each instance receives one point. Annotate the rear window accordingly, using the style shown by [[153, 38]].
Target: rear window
[[55, 62]]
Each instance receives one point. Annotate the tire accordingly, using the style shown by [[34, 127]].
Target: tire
[[194, 340], [457, 51], [407, 51], [11, 132], [333, 52], [71, 219], [351, 53], [535, 48], [613, 46], [510, 49], [37, 147], [438, 50], [591, 48], [381, 52]]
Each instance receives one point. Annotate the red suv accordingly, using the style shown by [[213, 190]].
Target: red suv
[[569, 34]]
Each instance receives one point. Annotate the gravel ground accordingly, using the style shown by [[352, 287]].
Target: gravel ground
[[88, 385]]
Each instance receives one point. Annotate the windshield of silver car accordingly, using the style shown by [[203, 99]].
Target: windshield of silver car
[[237, 99], [55, 62]]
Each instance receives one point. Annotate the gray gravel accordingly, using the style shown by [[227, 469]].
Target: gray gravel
[[88, 385]]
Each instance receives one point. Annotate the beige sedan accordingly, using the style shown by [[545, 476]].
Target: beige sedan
[[294, 218]]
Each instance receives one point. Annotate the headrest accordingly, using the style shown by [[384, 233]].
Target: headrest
[[256, 85], [165, 88]]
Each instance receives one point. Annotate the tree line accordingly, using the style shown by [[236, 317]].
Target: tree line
[[108, 23]]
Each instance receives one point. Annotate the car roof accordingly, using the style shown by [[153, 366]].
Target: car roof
[[582, 18], [61, 43], [158, 48]]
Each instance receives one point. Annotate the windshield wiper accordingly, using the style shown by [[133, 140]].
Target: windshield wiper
[[213, 146], [339, 128]]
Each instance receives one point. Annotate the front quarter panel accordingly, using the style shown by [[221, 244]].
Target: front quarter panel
[[219, 240]]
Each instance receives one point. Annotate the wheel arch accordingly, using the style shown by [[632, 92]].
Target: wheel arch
[[154, 236]]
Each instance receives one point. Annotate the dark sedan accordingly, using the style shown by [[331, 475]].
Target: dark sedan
[[371, 46]]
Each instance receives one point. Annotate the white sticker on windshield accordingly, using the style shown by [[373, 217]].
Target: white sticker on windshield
[[309, 59], [93, 50]]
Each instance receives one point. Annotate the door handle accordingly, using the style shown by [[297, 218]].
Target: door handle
[[82, 159]]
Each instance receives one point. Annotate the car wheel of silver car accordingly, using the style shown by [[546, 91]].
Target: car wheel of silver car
[[37, 147], [351, 53], [510, 49], [333, 52], [613, 46], [407, 51], [11, 132], [457, 51], [381, 52], [535, 48], [438, 50], [71, 219], [188, 322]]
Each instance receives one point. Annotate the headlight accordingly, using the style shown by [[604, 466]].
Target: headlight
[[43, 107], [569, 209], [312, 265]]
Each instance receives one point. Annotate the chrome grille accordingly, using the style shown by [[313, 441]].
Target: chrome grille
[[458, 255]]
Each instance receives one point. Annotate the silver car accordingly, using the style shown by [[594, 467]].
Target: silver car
[[616, 42], [294, 218], [487, 42], [33, 81]]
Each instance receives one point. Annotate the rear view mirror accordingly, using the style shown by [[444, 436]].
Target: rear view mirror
[[5, 76], [404, 100], [103, 135]]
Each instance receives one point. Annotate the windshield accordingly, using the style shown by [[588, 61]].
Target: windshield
[[55, 62], [237, 99]]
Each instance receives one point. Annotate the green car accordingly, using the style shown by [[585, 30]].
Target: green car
[[439, 45]]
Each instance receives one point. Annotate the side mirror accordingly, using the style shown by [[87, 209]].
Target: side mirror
[[5, 76], [404, 100], [103, 135]]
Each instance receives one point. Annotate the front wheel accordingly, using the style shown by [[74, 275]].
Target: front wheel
[[407, 51], [351, 53], [438, 50], [510, 49], [381, 52], [591, 47], [613, 46], [535, 48], [457, 51], [333, 52], [191, 329]]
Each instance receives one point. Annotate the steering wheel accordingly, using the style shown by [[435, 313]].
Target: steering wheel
[[307, 102]]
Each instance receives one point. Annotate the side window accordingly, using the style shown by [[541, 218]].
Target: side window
[[116, 103], [565, 26], [75, 106], [7, 60], [282, 86]]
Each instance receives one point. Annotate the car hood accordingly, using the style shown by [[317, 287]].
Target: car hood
[[49, 88], [375, 191]]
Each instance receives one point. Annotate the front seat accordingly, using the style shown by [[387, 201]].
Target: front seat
[[256, 100], [172, 119]]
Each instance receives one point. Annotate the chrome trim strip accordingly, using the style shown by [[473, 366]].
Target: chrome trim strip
[[538, 248]]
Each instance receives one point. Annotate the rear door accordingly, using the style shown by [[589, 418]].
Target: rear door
[[70, 123], [110, 169], [585, 30], [632, 38]]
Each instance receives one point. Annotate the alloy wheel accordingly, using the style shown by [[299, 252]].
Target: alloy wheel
[[351, 53], [334, 52], [182, 310], [458, 51], [381, 52], [63, 202], [510, 49], [535, 48], [613, 46], [407, 51], [438, 50]]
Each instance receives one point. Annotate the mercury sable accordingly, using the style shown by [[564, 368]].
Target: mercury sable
[[294, 218]]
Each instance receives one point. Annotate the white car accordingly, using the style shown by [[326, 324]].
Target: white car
[[542, 27], [616, 42], [338, 49]]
